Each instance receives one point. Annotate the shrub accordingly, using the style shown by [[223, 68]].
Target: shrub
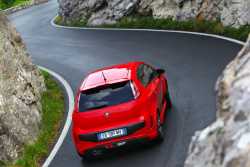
[[211, 27], [8, 2]]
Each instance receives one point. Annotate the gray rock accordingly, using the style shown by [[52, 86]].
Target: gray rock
[[96, 12], [230, 12], [226, 143], [114, 10], [21, 86]]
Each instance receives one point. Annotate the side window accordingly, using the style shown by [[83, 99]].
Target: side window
[[140, 73], [146, 74]]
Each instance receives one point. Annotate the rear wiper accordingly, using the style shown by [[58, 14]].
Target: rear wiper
[[98, 107]]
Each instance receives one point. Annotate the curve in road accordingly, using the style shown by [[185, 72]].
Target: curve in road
[[69, 108], [192, 62]]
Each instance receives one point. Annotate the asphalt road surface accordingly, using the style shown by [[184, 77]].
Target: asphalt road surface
[[192, 65]]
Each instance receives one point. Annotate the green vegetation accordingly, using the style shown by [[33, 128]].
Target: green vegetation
[[211, 27], [76, 23], [52, 115], [5, 4]]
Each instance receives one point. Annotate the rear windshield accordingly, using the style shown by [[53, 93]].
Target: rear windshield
[[106, 96]]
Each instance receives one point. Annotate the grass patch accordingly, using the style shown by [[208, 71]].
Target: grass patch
[[52, 114], [5, 4], [76, 23], [211, 27]]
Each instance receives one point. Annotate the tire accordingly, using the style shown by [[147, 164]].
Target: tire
[[160, 129], [87, 157], [168, 99]]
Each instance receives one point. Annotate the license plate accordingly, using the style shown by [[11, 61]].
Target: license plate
[[112, 134]]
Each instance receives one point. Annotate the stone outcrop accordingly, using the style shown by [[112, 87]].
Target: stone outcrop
[[230, 12], [226, 143], [96, 12], [21, 86]]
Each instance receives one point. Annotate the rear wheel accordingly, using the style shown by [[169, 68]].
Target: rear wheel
[[160, 129], [168, 99], [88, 158]]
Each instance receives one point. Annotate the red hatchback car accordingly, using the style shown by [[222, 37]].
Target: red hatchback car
[[119, 105]]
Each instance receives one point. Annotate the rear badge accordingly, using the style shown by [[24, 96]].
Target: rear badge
[[106, 114]]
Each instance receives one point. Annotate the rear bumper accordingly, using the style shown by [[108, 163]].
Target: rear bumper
[[92, 137], [118, 144], [142, 135]]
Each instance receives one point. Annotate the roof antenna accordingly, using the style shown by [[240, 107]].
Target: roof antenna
[[105, 79]]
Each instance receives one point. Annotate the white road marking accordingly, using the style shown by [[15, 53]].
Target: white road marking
[[70, 92], [68, 120], [153, 30]]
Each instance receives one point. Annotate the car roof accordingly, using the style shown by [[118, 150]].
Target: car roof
[[109, 75]]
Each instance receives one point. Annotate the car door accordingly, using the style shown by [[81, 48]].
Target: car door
[[155, 83], [162, 91], [152, 83]]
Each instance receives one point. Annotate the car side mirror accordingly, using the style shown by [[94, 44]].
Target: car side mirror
[[160, 71]]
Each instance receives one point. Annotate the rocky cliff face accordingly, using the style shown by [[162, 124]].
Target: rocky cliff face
[[226, 143], [20, 92], [96, 12], [230, 12]]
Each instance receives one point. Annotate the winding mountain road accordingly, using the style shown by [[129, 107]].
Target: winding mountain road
[[192, 62]]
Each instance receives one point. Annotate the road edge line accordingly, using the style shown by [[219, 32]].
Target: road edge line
[[152, 30], [67, 124], [69, 90]]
